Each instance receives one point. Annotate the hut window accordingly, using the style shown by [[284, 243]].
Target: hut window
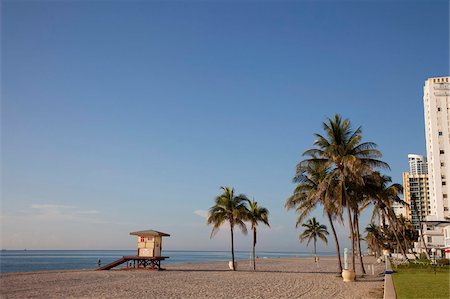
[[142, 239]]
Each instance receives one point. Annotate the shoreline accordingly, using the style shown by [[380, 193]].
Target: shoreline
[[164, 264], [275, 278], [174, 260]]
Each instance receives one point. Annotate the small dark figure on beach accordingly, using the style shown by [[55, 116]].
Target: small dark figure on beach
[[99, 262]]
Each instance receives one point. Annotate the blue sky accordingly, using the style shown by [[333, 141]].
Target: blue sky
[[119, 116]]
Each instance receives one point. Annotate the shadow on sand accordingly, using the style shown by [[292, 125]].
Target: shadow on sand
[[251, 271]]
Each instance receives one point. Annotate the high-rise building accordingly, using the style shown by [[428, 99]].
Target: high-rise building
[[436, 100], [417, 164], [416, 191]]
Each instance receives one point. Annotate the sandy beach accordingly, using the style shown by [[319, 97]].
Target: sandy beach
[[274, 278]]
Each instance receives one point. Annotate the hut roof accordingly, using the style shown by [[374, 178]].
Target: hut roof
[[149, 233]]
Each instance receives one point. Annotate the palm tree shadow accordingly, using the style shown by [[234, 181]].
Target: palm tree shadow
[[297, 272], [249, 271], [199, 270]]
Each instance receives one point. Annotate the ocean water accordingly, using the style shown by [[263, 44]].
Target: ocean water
[[45, 260]]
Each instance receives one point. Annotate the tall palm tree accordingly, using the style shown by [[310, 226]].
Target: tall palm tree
[[341, 148], [313, 188], [256, 214], [228, 208], [313, 230]]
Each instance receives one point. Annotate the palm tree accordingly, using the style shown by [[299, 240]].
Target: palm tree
[[409, 233], [341, 149], [313, 230], [228, 208], [312, 189], [363, 196], [385, 194], [374, 238], [256, 214]]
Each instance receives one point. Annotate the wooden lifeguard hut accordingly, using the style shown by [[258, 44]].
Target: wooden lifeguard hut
[[149, 242], [149, 248]]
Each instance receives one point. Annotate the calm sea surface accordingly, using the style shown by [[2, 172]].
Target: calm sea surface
[[43, 260]]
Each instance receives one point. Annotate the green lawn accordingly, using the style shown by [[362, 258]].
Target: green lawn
[[420, 282]]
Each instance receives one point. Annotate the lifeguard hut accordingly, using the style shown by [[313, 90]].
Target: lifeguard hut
[[149, 242], [149, 248]]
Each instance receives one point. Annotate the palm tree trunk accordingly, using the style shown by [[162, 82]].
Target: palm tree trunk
[[358, 240], [338, 251], [346, 200], [423, 242], [232, 248], [315, 252], [254, 245], [352, 233], [421, 236], [404, 239]]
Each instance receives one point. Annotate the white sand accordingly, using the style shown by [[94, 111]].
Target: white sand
[[274, 278]]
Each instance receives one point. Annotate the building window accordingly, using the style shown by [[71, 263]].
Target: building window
[[444, 183], [441, 152], [440, 133], [444, 195], [442, 163], [439, 108], [429, 239], [445, 209]]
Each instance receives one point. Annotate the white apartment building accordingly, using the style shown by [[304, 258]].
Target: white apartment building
[[417, 164], [436, 235], [436, 100]]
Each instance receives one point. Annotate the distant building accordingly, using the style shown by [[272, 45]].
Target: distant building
[[436, 99], [417, 164], [416, 191], [400, 209], [446, 230]]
